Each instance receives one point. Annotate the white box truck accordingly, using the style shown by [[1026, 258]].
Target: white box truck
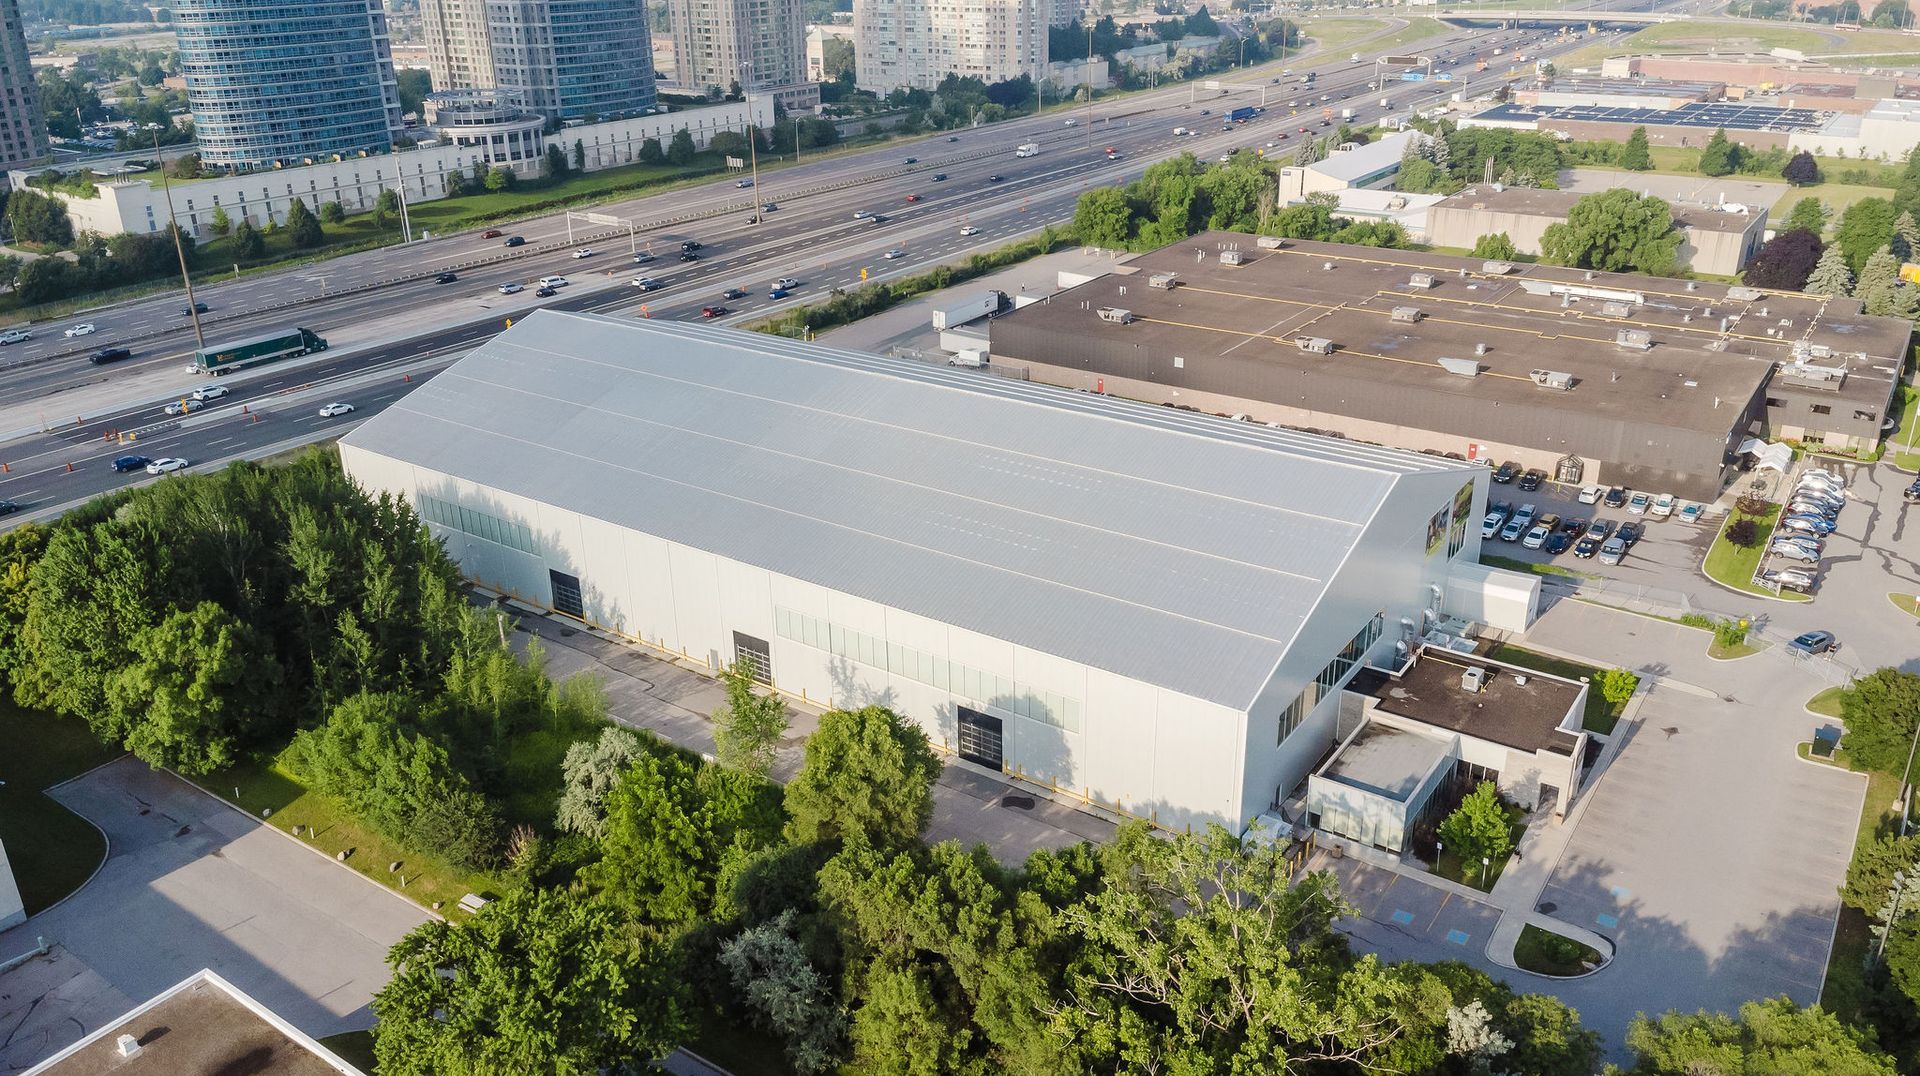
[[1028, 149], [971, 308]]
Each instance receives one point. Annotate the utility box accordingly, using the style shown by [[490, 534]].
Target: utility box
[[1552, 379], [1637, 339], [1616, 309], [1316, 345], [1116, 315], [1406, 315], [1420, 280], [1231, 257], [1163, 281]]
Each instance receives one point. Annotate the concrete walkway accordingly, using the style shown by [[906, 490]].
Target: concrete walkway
[[672, 698]]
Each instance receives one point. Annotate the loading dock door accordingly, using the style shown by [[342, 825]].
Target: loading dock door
[[757, 656], [566, 594], [980, 741]]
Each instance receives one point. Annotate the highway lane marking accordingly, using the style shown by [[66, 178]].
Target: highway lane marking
[[221, 441]]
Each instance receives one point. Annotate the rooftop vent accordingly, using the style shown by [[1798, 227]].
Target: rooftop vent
[[1269, 242], [1231, 257], [1496, 268], [128, 1045], [1552, 379], [1406, 314], [1326, 266], [1693, 285], [1460, 367], [1744, 294], [1473, 680], [1637, 339], [1318, 345], [1116, 315], [1479, 349], [1420, 280], [1616, 309], [1163, 281]]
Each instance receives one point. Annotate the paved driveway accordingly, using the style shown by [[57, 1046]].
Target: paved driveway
[[191, 883]]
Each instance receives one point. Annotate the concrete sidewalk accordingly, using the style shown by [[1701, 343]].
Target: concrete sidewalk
[[672, 698]]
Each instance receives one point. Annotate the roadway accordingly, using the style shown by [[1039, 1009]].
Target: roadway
[[813, 237]]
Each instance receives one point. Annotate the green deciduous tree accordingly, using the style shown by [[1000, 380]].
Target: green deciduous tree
[[1772, 1036], [303, 227], [651, 153], [1104, 218], [589, 774], [198, 689], [500, 178], [1618, 685], [386, 207], [1479, 828], [37, 218], [1720, 156], [1870, 872], [220, 222], [335, 213], [868, 773], [1866, 226], [1636, 156], [680, 148], [1808, 213], [1879, 711], [747, 731], [1616, 231], [539, 981], [1830, 274], [1496, 247]]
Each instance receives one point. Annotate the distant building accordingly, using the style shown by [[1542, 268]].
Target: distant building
[[817, 38], [1370, 165], [23, 131], [759, 44], [268, 90], [914, 44], [202, 1025], [1717, 239], [565, 59]]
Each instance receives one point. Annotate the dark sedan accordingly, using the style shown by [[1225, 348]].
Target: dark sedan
[[1532, 479], [8, 508], [1507, 472], [131, 463], [1815, 642], [1616, 497], [1557, 543], [1631, 533]]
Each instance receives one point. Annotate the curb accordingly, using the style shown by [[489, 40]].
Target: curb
[[108, 841]]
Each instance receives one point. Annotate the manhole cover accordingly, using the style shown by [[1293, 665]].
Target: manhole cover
[[1546, 907], [566, 632], [1024, 803]]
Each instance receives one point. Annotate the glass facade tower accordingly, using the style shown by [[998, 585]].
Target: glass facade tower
[[282, 82], [573, 59], [23, 133]]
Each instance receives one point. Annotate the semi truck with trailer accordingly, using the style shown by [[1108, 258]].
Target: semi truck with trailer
[[1241, 114], [255, 350], [971, 308]]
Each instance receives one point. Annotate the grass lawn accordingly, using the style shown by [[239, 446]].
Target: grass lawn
[[1728, 653], [1845, 991], [1601, 715], [1836, 196], [1906, 603], [1897, 441], [354, 1047], [1827, 703], [1734, 566], [1547, 953], [1513, 564], [1704, 35], [52, 850], [267, 785]]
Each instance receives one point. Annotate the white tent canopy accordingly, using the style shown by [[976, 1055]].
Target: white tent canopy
[[1771, 455]]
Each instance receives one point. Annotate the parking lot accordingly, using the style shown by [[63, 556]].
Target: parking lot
[[1667, 556]]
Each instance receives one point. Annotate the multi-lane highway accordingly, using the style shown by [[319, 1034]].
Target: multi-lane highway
[[814, 236]]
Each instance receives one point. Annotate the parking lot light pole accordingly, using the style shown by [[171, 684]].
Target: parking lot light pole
[[1900, 879], [1906, 790]]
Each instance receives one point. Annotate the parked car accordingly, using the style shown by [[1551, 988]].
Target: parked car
[[1532, 479], [1815, 642], [210, 392], [1536, 537], [1791, 578], [1575, 528], [1631, 532], [1819, 526], [1589, 494], [1662, 506], [1691, 511], [1824, 485], [166, 465], [1551, 519], [1491, 523], [131, 463], [1588, 546], [1506, 472], [1616, 497], [1822, 472], [1612, 550], [1912, 493], [1557, 543], [1515, 528], [1796, 548], [335, 410], [1639, 503]]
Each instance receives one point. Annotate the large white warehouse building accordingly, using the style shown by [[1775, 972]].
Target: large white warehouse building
[[1151, 608]]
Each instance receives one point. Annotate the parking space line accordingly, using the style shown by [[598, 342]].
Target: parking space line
[[1444, 899]]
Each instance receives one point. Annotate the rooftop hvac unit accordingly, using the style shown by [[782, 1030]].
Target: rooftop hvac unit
[[1479, 349], [1269, 242], [1163, 281], [1473, 680], [1552, 379], [1420, 280], [1637, 339], [1460, 367], [1318, 345], [1116, 315], [1828, 377], [1406, 314], [1819, 351], [1744, 294], [1496, 268], [1615, 309], [1230, 257], [1398, 201]]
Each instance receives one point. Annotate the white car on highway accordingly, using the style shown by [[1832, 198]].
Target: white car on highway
[[553, 282], [85, 328], [510, 288], [970, 230], [166, 465], [334, 410], [896, 252], [15, 336], [210, 392], [786, 282], [583, 252], [184, 407]]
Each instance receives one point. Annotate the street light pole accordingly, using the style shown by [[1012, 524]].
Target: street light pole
[[1090, 25], [1906, 790], [753, 138], [1900, 879], [179, 249]]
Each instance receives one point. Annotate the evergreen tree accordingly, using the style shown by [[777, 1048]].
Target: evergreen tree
[[1637, 157], [303, 226], [1881, 272], [1831, 275], [1721, 156], [1810, 214], [1906, 237]]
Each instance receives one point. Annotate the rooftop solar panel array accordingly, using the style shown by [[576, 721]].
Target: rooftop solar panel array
[[1704, 114]]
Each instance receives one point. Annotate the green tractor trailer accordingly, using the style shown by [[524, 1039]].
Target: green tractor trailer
[[281, 345]]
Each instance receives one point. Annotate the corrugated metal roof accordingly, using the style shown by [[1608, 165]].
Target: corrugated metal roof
[[1177, 549]]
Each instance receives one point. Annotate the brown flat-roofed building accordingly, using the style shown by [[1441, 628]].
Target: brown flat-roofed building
[[1591, 377], [202, 1026], [1717, 239]]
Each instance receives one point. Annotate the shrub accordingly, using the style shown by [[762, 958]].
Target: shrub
[[1618, 685], [1697, 620], [1729, 633], [1750, 505]]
